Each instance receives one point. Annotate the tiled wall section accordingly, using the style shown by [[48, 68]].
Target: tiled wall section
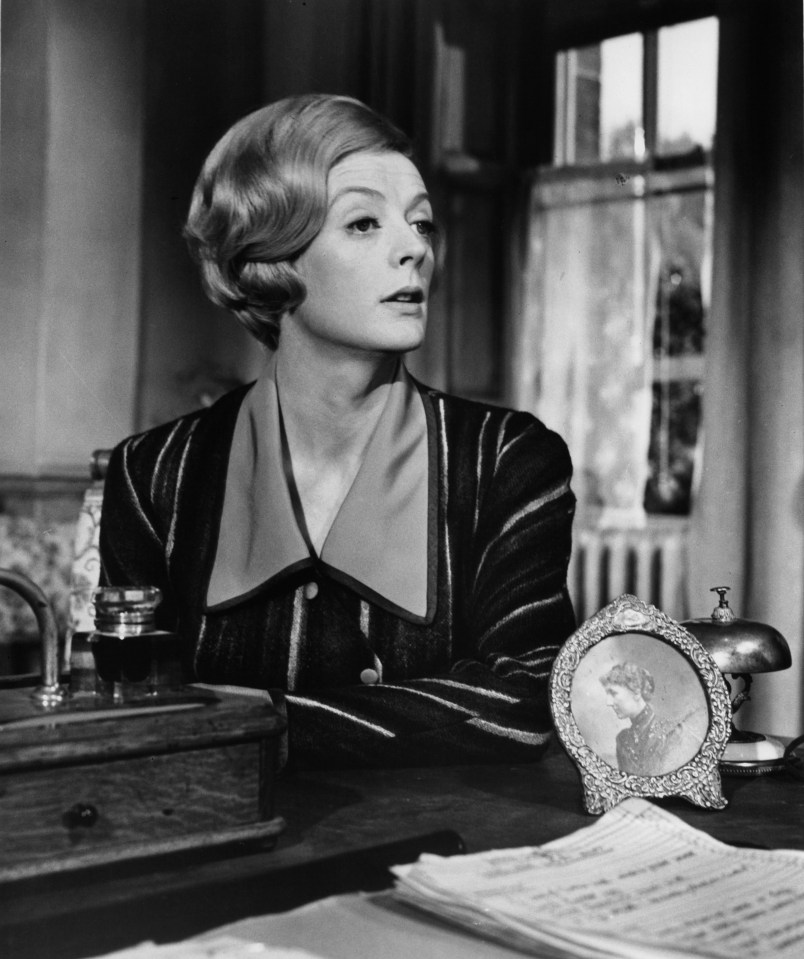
[[37, 538]]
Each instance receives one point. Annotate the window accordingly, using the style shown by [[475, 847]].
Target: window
[[620, 253]]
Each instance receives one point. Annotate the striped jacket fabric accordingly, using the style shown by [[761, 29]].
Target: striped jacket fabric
[[468, 685]]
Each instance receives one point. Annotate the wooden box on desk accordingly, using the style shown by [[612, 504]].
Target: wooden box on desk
[[84, 786]]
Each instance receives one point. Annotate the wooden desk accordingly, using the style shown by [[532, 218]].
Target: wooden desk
[[338, 814]]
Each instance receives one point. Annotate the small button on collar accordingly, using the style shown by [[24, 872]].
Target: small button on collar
[[369, 677], [311, 590]]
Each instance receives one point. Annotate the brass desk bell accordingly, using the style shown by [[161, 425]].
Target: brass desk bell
[[741, 647]]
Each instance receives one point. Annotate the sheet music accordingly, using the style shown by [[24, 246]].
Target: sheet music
[[638, 883]]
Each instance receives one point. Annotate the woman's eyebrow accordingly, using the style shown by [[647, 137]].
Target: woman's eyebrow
[[364, 190], [422, 197]]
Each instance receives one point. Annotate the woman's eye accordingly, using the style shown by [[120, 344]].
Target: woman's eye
[[364, 225], [424, 227]]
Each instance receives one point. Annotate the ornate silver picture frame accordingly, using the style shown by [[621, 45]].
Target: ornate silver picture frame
[[641, 708]]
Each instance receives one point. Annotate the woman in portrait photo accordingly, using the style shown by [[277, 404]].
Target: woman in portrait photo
[[389, 560], [649, 745]]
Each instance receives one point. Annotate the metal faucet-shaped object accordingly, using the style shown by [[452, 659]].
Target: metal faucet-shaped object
[[50, 692]]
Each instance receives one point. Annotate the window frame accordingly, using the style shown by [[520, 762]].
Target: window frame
[[561, 183]]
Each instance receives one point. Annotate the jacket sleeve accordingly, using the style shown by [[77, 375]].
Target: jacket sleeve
[[515, 611], [132, 543]]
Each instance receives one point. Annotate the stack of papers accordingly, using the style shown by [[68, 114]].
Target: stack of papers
[[638, 884], [219, 947]]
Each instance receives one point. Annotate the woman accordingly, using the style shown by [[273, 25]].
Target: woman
[[648, 746], [392, 558]]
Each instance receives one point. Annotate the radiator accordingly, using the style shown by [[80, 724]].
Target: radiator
[[649, 563]]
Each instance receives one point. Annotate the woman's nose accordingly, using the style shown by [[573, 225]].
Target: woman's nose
[[409, 245]]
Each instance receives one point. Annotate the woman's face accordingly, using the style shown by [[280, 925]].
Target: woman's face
[[369, 269], [624, 701]]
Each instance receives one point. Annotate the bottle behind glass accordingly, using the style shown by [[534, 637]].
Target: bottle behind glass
[[79, 661]]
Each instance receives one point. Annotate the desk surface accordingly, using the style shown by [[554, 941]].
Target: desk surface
[[335, 814]]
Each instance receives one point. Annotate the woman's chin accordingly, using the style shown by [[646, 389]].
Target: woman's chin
[[408, 334], [403, 337]]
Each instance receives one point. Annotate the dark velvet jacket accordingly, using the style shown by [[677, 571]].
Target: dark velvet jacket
[[467, 682]]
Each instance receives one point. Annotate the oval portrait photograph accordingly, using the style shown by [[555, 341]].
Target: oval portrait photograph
[[640, 704]]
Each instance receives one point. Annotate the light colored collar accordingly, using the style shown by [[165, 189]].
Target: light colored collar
[[379, 541]]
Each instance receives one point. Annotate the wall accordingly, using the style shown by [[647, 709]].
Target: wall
[[202, 69], [70, 212], [70, 196]]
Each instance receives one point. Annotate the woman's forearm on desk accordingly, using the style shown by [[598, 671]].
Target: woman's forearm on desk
[[511, 619]]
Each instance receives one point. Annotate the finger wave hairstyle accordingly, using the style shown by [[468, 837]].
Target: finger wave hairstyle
[[261, 198]]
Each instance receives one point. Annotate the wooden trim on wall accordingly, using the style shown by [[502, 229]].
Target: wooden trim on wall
[[21, 486], [574, 23]]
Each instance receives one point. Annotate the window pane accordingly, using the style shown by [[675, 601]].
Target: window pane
[[599, 103], [594, 346], [621, 126], [675, 420], [586, 65], [687, 86], [619, 311], [618, 307], [681, 238]]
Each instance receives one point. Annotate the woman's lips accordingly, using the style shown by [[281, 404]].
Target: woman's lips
[[407, 294]]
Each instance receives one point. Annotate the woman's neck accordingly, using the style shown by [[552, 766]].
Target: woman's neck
[[331, 402]]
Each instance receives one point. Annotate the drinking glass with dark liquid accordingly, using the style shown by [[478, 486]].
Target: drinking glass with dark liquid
[[130, 653]]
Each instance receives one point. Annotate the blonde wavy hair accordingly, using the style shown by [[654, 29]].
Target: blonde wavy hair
[[261, 198]]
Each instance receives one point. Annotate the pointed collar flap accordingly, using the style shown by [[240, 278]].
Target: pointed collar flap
[[379, 541]]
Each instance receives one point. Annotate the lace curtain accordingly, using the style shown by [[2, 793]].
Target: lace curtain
[[603, 255]]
